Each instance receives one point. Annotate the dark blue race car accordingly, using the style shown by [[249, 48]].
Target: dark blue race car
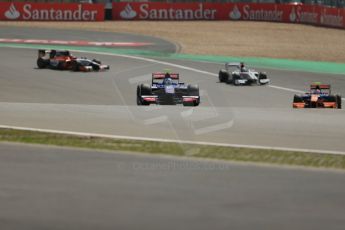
[[166, 89]]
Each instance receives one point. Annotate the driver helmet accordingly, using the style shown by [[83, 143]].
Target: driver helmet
[[168, 81], [317, 90], [242, 66]]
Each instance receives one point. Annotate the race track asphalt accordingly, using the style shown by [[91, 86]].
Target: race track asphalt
[[54, 188], [44, 187], [106, 103]]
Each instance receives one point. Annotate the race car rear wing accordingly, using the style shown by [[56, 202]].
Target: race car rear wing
[[233, 64], [162, 75], [53, 53], [320, 86]]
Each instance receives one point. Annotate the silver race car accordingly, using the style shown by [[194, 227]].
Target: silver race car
[[237, 74]]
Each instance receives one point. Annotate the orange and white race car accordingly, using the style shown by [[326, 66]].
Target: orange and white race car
[[63, 60], [319, 96]]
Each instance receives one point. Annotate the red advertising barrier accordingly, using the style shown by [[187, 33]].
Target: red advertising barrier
[[305, 14], [332, 17], [25, 11], [199, 11], [165, 11]]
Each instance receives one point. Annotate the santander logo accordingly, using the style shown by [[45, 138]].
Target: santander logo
[[331, 19], [128, 12], [12, 13], [235, 14], [293, 15], [49, 12]]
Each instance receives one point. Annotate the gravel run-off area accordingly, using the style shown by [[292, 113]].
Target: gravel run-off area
[[226, 38]]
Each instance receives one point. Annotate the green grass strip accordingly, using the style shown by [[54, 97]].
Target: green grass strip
[[191, 150], [283, 64]]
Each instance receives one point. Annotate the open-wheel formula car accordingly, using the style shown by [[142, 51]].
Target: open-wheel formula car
[[319, 96], [63, 60], [237, 74], [166, 89]]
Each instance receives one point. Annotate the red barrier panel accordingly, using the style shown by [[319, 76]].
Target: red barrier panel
[[332, 17], [164, 11], [258, 12], [17, 11], [305, 14], [199, 11]]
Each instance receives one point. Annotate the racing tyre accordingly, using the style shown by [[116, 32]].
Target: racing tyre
[[297, 99], [188, 104], [261, 77], [60, 66], [193, 90], [338, 100], [75, 66], [143, 89], [95, 67], [223, 76], [42, 63], [234, 78], [139, 101]]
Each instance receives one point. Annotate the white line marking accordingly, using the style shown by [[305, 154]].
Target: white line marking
[[187, 113], [156, 120], [214, 128], [172, 141], [286, 89]]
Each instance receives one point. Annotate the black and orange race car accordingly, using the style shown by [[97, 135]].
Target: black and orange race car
[[63, 60], [319, 96]]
